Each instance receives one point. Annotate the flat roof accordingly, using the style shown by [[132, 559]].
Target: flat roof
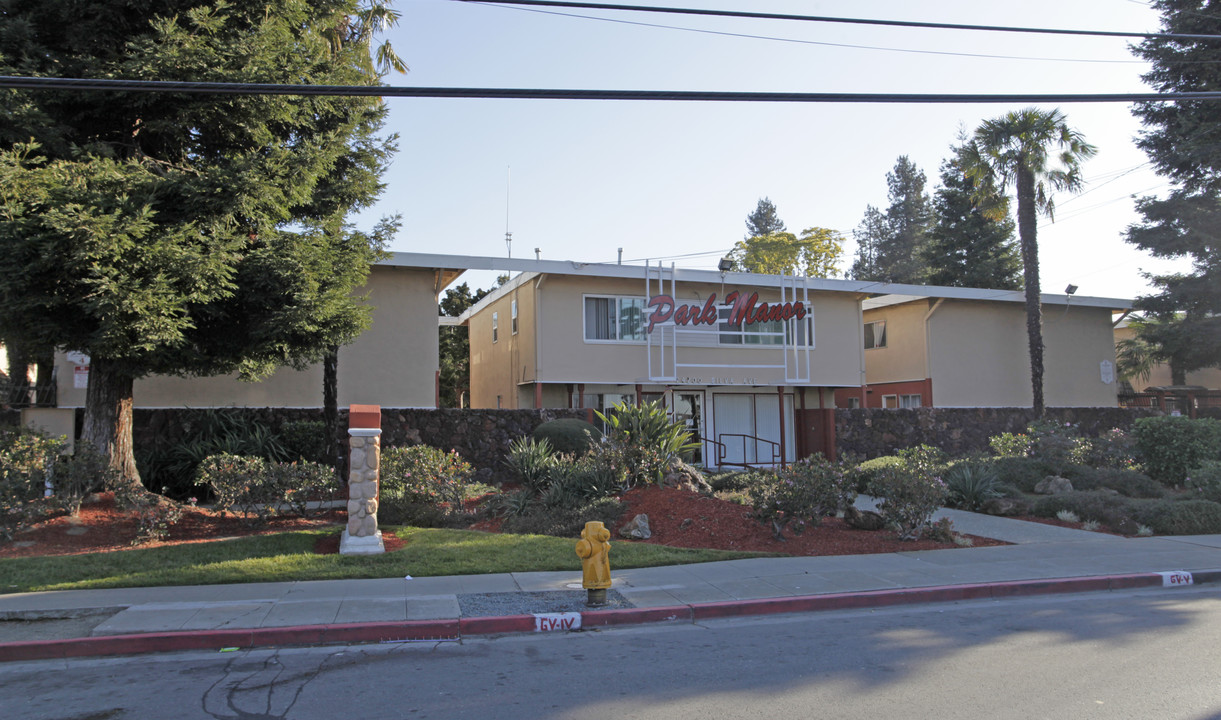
[[877, 294]]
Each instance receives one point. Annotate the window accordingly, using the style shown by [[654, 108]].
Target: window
[[513, 316], [495, 327], [774, 332], [909, 401], [854, 403], [875, 335], [614, 318], [890, 402]]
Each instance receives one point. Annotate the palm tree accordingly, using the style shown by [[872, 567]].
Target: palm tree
[[1037, 152]]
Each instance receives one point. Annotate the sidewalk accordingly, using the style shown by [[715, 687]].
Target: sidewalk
[[1043, 559]]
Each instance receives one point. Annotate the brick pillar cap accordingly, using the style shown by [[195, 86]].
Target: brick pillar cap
[[364, 416]]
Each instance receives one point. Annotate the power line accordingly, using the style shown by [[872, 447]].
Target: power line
[[826, 19], [822, 43], [220, 88]]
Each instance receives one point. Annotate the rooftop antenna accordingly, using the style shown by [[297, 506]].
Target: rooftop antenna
[[508, 235]]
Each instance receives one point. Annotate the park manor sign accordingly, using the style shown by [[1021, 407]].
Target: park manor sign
[[743, 308]]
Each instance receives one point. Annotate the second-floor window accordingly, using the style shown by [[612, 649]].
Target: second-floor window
[[614, 318], [875, 335]]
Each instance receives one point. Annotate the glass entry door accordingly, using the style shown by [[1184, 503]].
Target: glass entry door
[[688, 408]]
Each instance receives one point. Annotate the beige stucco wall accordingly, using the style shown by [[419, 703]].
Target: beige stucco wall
[[903, 358], [509, 369], [392, 364], [978, 355], [1160, 375]]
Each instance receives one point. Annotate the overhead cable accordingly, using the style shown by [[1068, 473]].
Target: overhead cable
[[826, 19], [221, 88]]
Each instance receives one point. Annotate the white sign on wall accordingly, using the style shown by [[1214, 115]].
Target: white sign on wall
[[80, 377], [1107, 370]]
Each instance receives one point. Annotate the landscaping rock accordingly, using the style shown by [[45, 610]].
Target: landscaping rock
[[682, 476], [1126, 526], [863, 519], [1053, 485], [637, 528], [1005, 507]]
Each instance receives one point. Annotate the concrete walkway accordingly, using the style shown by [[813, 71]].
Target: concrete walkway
[[1043, 558]]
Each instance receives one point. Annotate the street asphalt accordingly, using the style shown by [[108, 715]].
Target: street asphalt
[[1041, 559]]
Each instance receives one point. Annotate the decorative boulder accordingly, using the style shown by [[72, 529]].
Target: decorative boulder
[[637, 528], [863, 519], [682, 476], [1127, 526], [1004, 507], [1053, 485]]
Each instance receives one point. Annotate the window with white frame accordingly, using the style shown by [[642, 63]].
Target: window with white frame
[[513, 316], [495, 327], [890, 402], [773, 332], [909, 401], [875, 335], [614, 318]]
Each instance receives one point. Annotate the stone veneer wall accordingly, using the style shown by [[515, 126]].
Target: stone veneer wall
[[872, 432], [482, 437]]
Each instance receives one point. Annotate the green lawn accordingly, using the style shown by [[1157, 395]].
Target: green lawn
[[289, 556]]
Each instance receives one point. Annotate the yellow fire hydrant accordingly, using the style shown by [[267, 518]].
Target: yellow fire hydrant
[[594, 551]]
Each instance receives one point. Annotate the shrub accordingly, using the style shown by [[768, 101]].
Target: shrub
[[1185, 517], [1170, 446], [969, 485], [1022, 473], [241, 485], [1205, 480], [868, 470], [568, 435], [84, 471], [565, 521], [924, 459], [305, 440], [226, 431], [1115, 448], [257, 489], [1088, 505], [424, 474], [803, 493], [1056, 443], [1010, 445], [531, 460], [908, 496], [643, 440], [27, 461], [1126, 482], [155, 515], [576, 481]]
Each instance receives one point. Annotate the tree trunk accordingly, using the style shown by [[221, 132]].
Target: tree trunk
[[18, 375], [1178, 376], [330, 409], [108, 403], [1027, 237], [44, 361]]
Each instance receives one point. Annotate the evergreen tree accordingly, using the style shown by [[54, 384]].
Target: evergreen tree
[[186, 234], [763, 221], [908, 218], [869, 236], [967, 247], [455, 348], [1183, 141]]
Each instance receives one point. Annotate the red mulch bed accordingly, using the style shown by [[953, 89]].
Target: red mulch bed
[[677, 518], [684, 519], [107, 528]]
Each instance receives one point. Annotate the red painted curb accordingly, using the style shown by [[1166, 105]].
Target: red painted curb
[[452, 629], [634, 616], [496, 625]]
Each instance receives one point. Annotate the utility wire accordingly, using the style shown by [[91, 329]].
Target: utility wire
[[220, 88], [773, 38], [826, 19]]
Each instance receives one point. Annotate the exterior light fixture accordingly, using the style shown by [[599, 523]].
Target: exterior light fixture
[[725, 265], [1070, 290]]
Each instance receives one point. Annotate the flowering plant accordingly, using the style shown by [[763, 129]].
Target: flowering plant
[[803, 493]]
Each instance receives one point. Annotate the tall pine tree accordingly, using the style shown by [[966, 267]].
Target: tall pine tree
[[967, 247], [186, 234], [763, 221], [1183, 141], [892, 251]]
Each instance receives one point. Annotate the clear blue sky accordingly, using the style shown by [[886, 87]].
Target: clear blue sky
[[670, 179]]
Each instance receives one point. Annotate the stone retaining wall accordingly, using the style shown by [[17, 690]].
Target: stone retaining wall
[[482, 437], [872, 432]]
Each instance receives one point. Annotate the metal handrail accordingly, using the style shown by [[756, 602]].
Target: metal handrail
[[722, 451], [27, 395]]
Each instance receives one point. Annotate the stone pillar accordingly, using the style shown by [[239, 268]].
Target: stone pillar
[[361, 536]]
